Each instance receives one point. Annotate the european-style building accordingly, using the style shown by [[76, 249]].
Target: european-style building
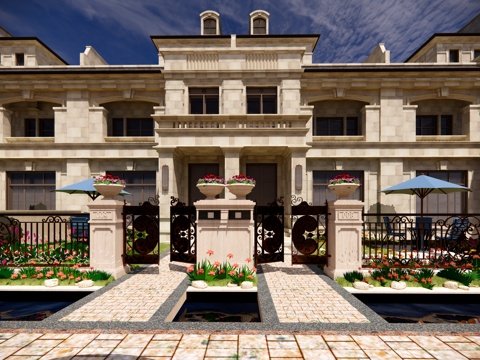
[[248, 103]]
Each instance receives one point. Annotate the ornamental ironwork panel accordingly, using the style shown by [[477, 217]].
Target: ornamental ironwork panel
[[183, 232], [142, 233], [309, 232], [269, 233]]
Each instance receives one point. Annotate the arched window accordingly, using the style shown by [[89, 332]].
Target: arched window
[[259, 26], [209, 26]]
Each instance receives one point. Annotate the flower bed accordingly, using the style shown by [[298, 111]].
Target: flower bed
[[221, 274], [67, 276]]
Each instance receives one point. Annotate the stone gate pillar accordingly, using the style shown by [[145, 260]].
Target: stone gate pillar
[[106, 237], [344, 243]]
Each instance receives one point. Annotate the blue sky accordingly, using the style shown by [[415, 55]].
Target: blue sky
[[120, 29]]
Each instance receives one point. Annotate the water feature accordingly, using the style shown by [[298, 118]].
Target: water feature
[[444, 308], [35, 305], [219, 307]]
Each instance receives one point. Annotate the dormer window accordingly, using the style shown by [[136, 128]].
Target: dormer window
[[210, 23], [20, 59], [454, 56], [259, 26], [259, 22], [209, 27]]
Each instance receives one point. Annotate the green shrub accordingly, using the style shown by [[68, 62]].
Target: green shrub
[[352, 276], [5, 273], [97, 275], [425, 278], [456, 274]]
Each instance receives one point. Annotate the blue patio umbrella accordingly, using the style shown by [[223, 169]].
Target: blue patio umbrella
[[422, 186], [84, 187]]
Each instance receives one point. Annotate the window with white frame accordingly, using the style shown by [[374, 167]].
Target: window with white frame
[[209, 26]]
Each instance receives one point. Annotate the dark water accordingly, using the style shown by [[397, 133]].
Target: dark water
[[219, 307], [427, 309], [33, 305]]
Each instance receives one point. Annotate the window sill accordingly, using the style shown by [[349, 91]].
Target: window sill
[[441, 138], [22, 139], [338, 138], [130, 139]]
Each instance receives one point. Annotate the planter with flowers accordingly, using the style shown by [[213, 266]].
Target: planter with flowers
[[211, 185], [108, 185], [240, 185], [343, 185]]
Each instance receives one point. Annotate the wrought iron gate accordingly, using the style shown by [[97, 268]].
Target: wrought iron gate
[[269, 233], [309, 232], [141, 233], [183, 232]]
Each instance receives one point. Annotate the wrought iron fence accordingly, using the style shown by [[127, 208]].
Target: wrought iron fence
[[44, 238], [429, 239]]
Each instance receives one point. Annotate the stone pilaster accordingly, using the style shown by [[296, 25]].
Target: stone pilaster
[[106, 236], [345, 227]]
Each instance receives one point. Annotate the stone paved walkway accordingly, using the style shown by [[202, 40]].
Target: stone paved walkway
[[300, 295], [234, 346]]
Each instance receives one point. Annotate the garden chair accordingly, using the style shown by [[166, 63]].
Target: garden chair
[[456, 229], [391, 234]]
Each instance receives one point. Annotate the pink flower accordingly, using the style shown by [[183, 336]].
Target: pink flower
[[200, 271], [249, 277], [211, 273], [189, 269], [210, 252], [235, 265], [222, 271], [216, 264], [232, 273], [229, 256], [248, 260], [254, 269]]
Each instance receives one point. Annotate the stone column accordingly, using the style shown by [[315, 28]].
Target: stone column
[[344, 243], [232, 166], [5, 124], [106, 236]]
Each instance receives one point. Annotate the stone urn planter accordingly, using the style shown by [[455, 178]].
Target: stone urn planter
[[343, 191], [240, 190], [109, 191], [210, 190]]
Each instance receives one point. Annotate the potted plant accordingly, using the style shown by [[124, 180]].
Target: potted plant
[[240, 185], [343, 185], [108, 185], [211, 185]]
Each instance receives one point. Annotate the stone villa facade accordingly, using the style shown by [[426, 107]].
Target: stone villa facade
[[226, 104]]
